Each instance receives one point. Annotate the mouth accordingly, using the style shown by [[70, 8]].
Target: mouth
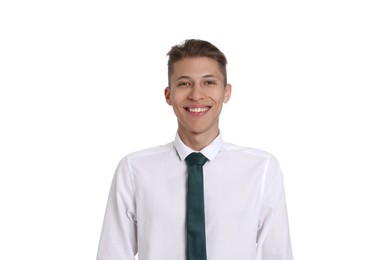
[[197, 110]]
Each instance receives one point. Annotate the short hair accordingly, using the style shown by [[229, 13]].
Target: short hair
[[196, 48]]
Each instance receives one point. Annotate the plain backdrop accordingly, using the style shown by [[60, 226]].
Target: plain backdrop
[[82, 86]]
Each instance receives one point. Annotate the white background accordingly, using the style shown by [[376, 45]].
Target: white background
[[82, 85]]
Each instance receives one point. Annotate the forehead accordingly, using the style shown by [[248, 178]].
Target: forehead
[[196, 67]]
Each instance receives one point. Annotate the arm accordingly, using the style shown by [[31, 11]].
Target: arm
[[273, 236], [118, 239]]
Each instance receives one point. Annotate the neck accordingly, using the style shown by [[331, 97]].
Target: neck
[[197, 141]]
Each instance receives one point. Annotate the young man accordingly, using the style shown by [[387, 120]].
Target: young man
[[198, 197]]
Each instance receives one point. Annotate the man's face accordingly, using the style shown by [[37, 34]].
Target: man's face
[[197, 93]]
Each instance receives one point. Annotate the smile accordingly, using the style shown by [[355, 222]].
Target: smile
[[197, 110]]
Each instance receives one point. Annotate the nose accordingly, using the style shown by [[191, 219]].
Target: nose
[[196, 93]]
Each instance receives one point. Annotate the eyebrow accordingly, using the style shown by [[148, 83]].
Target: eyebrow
[[204, 76], [182, 77], [209, 76]]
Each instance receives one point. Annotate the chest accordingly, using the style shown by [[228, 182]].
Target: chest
[[231, 192]]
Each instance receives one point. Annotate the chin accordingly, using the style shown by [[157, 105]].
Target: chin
[[196, 131]]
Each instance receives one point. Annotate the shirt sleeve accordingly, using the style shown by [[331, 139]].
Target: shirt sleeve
[[273, 235], [118, 240]]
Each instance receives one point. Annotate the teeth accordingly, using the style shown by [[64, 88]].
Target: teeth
[[198, 109]]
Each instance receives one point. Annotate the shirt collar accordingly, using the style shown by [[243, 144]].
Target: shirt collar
[[210, 151]]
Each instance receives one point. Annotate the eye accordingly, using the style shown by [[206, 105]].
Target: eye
[[183, 84], [210, 82]]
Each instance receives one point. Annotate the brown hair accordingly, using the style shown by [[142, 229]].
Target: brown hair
[[196, 48]]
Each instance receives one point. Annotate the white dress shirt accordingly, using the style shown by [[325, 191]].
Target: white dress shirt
[[245, 207]]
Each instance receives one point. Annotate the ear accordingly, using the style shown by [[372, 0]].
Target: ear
[[228, 92], [167, 93]]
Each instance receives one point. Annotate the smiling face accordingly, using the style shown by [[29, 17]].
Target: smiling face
[[197, 93]]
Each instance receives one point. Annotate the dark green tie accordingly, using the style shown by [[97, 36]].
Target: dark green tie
[[196, 236]]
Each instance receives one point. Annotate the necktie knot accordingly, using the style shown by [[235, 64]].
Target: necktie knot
[[196, 159]]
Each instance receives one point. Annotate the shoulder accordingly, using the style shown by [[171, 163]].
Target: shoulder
[[143, 159], [244, 155], [150, 152], [146, 157], [247, 151]]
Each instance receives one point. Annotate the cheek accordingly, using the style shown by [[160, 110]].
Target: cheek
[[177, 102], [177, 96], [219, 97]]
